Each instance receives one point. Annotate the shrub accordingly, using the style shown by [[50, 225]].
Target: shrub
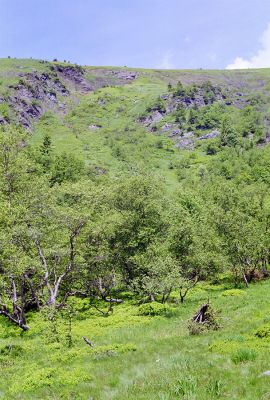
[[78, 304], [243, 355], [196, 329], [11, 350], [47, 377], [153, 309], [234, 293], [4, 111], [263, 331]]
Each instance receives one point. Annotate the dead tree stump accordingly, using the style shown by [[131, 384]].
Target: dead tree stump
[[201, 316]]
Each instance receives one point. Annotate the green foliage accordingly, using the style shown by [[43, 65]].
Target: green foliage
[[243, 355], [228, 136], [234, 292], [147, 222], [66, 167], [112, 350], [47, 377], [13, 350], [5, 111], [152, 309], [263, 331]]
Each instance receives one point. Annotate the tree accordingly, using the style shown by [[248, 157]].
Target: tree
[[66, 167], [159, 272], [16, 177], [228, 135], [45, 156]]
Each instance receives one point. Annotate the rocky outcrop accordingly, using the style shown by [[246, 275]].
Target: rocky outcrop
[[34, 94], [125, 75], [37, 92], [210, 135], [75, 76], [150, 120]]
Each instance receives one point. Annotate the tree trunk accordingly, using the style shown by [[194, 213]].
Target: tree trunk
[[245, 279], [15, 319]]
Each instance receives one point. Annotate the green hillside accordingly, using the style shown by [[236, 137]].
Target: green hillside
[[129, 199]]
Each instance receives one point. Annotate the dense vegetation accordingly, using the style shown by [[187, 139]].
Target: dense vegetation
[[119, 218]]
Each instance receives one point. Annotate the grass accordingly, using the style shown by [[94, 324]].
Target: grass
[[143, 357], [136, 356]]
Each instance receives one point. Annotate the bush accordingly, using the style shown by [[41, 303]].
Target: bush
[[153, 309], [78, 304], [263, 331], [234, 293], [11, 350], [243, 355], [196, 329]]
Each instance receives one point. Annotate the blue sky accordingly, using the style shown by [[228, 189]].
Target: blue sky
[[139, 33]]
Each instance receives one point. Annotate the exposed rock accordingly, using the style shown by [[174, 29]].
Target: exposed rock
[[210, 135], [185, 144], [265, 373], [151, 119], [34, 111], [186, 141], [126, 75], [2, 120], [166, 127], [188, 135], [94, 127], [74, 75], [176, 132], [34, 94], [197, 97], [264, 140], [101, 102]]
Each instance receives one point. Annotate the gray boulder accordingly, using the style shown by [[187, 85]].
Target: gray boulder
[[210, 135]]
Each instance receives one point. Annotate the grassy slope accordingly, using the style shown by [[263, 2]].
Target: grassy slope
[[167, 363]]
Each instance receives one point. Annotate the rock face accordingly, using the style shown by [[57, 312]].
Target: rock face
[[210, 135], [185, 144], [150, 120], [196, 97], [3, 121], [174, 133], [166, 127], [186, 141], [75, 76], [36, 92]]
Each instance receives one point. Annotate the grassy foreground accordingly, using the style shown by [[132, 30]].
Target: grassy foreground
[[143, 357]]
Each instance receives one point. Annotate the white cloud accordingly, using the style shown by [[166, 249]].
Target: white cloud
[[166, 62], [259, 60]]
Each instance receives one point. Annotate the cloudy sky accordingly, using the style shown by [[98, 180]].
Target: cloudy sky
[[139, 33]]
